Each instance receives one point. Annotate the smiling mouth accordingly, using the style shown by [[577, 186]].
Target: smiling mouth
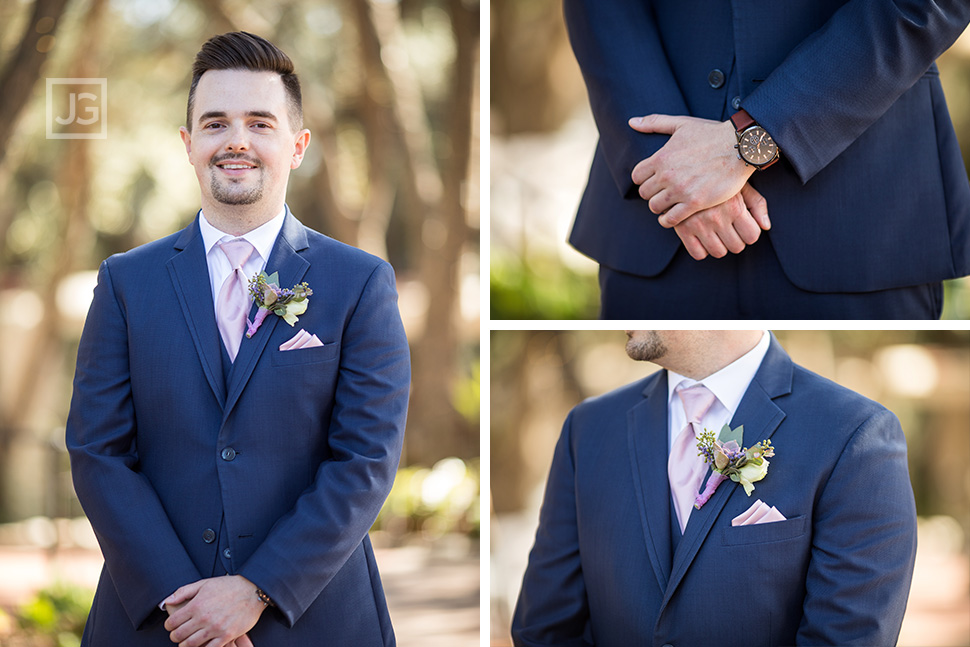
[[235, 164]]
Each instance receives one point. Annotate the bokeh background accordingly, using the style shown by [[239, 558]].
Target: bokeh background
[[542, 143], [923, 376], [391, 94]]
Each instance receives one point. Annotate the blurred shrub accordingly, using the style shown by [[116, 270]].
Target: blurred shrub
[[541, 288], [433, 502], [56, 615]]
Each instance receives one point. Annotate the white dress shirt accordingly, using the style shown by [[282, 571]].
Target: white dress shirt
[[262, 239], [728, 386]]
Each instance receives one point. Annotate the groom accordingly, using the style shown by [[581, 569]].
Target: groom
[[622, 557], [231, 478]]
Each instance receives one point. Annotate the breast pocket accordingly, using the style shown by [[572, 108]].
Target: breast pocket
[[764, 533], [325, 353]]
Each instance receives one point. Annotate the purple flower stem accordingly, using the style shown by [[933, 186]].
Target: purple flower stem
[[715, 479], [253, 326]]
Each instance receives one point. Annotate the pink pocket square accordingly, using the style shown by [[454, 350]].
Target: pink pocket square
[[759, 512], [302, 339]]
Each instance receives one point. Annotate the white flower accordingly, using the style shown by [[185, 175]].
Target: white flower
[[751, 474]]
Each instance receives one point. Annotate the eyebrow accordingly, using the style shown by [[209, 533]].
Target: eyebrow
[[217, 114]]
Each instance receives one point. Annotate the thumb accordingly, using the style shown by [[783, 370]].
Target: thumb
[[757, 205], [664, 124], [184, 593]]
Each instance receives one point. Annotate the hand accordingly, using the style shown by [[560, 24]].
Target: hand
[[214, 612], [727, 227], [698, 168]]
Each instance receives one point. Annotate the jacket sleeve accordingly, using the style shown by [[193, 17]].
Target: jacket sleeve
[[846, 75], [864, 542], [143, 554], [627, 75], [312, 541], [552, 608]]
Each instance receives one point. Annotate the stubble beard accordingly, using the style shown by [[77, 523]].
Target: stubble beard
[[231, 193], [646, 350]]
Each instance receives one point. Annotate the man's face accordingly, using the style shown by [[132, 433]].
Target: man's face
[[242, 144], [645, 345]]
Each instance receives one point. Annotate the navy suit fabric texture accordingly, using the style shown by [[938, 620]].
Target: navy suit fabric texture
[[871, 192], [604, 570], [285, 459]]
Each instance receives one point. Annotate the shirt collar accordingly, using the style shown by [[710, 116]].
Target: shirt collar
[[730, 383], [262, 238]]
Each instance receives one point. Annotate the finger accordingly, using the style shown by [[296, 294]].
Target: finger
[[664, 124], [712, 243], [730, 239], [757, 206], [642, 172], [244, 641], [675, 215], [692, 244], [747, 229], [661, 202], [184, 593]]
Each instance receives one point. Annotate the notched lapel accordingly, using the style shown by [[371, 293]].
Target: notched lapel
[[760, 417], [647, 433], [292, 267], [190, 278]]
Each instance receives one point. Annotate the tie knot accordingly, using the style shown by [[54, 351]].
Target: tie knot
[[697, 401], [238, 251]]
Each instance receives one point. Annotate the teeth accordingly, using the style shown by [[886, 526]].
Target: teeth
[[235, 166]]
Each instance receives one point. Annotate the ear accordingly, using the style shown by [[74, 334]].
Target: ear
[[187, 140], [299, 148]]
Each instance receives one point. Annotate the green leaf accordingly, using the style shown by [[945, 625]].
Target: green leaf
[[273, 278], [728, 435]]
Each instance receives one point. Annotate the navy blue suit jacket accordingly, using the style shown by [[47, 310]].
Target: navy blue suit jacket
[[316, 436], [871, 191], [836, 572]]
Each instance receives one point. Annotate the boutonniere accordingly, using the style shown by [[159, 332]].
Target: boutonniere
[[729, 460], [270, 297]]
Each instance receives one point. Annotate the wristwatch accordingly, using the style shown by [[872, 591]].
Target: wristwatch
[[755, 146]]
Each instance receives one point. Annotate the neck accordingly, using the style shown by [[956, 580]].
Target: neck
[[237, 220], [715, 351]]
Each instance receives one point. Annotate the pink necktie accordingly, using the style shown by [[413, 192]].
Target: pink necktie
[[233, 304], [684, 467]]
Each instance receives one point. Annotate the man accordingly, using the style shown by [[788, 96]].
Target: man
[[848, 148], [231, 479], [623, 557]]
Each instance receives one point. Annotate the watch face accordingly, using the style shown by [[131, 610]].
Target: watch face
[[756, 146]]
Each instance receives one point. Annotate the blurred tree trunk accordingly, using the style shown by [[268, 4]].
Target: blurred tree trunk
[[21, 72], [73, 235], [438, 227]]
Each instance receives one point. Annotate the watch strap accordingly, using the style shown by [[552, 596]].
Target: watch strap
[[742, 120]]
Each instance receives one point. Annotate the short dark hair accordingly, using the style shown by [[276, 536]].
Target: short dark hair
[[240, 50]]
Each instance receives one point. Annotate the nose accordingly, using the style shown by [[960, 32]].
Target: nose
[[238, 139]]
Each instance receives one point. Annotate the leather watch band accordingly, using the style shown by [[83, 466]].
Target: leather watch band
[[741, 120]]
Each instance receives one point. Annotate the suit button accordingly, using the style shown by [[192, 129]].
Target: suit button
[[228, 454], [736, 103], [227, 553], [715, 78], [209, 535]]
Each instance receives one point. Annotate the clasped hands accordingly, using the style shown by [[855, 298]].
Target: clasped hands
[[697, 185], [214, 612]]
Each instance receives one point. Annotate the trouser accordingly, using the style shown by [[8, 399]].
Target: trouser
[[750, 285]]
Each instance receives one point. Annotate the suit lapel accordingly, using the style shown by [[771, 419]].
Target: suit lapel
[[646, 428], [760, 417], [291, 266], [190, 278]]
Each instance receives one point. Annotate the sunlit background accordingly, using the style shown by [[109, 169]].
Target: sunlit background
[[391, 98], [923, 377], [542, 143]]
